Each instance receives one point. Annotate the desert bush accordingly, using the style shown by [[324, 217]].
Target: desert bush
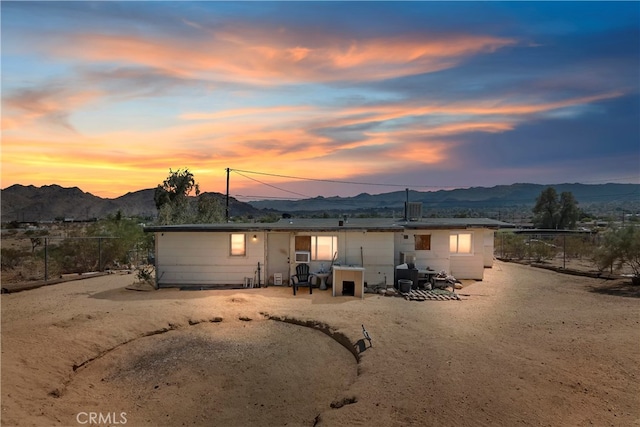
[[29, 268], [512, 246], [539, 250], [10, 258], [75, 255], [144, 274], [620, 248], [576, 247]]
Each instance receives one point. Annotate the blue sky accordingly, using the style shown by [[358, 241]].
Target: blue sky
[[108, 96]]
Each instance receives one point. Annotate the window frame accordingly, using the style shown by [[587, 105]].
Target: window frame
[[312, 240], [457, 251], [420, 237], [314, 246], [232, 250]]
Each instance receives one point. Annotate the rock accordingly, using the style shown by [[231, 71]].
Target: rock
[[458, 286], [391, 292]]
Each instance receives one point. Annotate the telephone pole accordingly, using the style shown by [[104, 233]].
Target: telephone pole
[[227, 209]]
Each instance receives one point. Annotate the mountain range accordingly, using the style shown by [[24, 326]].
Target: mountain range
[[49, 202], [29, 203], [500, 196]]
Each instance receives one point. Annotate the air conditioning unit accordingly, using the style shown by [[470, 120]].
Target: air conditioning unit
[[303, 257], [414, 210]]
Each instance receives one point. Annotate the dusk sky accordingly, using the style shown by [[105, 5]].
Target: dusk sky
[[108, 96]]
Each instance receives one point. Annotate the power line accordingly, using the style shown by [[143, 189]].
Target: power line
[[335, 181], [391, 185], [303, 196], [270, 185], [247, 196]]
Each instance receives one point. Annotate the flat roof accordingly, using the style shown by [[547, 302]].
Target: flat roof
[[335, 224]]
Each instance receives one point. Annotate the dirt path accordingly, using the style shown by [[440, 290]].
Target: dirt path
[[525, 346]]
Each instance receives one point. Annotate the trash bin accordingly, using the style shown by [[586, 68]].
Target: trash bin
[[404, 285]]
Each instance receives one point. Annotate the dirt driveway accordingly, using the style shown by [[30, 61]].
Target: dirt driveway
[[523, 347]]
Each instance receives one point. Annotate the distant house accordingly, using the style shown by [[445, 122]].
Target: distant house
[[227, 253]]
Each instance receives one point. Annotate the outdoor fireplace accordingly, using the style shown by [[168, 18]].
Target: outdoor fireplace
[[348, 287]]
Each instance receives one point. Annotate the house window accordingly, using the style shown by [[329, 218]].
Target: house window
[[423, 242], [238, 245], [322, 248], [460, 243]]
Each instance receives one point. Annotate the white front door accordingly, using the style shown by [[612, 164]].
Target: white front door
[[278, 256]]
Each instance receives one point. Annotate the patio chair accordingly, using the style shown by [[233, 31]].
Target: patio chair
[[302, 278]]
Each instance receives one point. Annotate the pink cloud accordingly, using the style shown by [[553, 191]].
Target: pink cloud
[[51, 105], [263, 55]]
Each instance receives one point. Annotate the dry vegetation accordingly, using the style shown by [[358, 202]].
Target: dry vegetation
[[525, 346]]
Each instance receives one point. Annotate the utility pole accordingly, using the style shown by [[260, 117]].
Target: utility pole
[[406, 205], [227, 209]]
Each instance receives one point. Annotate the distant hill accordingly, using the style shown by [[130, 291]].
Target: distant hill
[[501, 196], [30, 203]]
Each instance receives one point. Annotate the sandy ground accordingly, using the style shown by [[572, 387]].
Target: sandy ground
[[524, 347]]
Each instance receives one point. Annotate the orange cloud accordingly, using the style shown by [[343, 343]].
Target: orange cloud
[[243, 112], [501, 107], [263, 55], [285, 139], [22, 108]]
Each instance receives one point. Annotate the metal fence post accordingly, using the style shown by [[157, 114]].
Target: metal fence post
[[46, 260]]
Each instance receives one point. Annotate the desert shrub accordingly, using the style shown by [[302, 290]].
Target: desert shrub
[[620, 249], [576, 247], [144, 274], [11, 258], [512, 246], [75, 255], [539, 250]]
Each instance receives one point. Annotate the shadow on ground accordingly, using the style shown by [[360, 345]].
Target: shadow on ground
[[620, 288]]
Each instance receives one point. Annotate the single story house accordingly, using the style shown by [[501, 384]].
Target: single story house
[[231, 253]]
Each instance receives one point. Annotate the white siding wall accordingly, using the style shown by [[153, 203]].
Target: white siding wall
[[488, 248], [377, 253], [438, 258], [203, 258], [200, 258], [469, 266]]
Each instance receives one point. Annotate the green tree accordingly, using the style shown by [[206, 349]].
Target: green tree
[[176, 204], [568, 211], [177, 187], [209, 210], [546, 209], [553, 213], [620, 248], [123, 240], [172, 196]]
